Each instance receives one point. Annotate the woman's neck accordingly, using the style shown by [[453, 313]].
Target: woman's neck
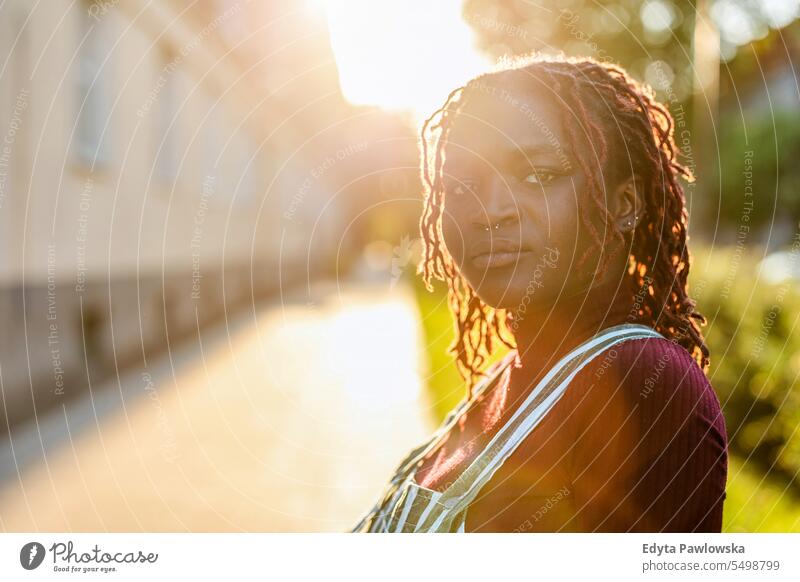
[[547, 331]]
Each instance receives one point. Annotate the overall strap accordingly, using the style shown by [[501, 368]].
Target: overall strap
[[538, 403], [374, 518]]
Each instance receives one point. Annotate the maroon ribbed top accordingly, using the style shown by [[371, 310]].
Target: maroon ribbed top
[[636, 443]]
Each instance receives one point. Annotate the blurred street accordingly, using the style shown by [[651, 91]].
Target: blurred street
[[290, 419]]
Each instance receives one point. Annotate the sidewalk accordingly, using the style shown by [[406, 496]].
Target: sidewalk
[[289, 420]]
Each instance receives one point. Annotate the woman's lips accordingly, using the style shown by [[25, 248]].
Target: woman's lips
[[498, 259]]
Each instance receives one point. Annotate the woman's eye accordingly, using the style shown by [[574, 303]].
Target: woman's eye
[[540, 177]]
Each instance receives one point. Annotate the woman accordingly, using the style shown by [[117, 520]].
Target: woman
[[554, 212]]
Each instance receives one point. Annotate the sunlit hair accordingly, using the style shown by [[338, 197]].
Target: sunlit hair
[[603, 106]]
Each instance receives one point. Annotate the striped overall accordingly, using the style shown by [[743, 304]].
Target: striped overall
[[408, 507]]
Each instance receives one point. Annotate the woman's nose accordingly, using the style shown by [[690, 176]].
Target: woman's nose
[[499, 206]]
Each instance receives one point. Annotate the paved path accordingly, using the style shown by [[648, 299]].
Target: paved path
[[290, 420]]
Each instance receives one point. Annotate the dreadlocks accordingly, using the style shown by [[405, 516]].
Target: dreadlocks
[[603, 106]]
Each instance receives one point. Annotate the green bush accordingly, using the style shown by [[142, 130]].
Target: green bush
[[756, 504], [445, 386], [755, 359], [768, 147]]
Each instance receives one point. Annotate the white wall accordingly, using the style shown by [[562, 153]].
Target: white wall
[[131, 217]]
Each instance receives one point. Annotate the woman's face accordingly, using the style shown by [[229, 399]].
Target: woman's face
[[512, 187]]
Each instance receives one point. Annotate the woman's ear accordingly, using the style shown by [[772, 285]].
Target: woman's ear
[[626, 204]]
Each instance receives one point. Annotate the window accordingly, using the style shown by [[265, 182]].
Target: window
[[249, 186], [212, 143], [93, 104], [166, 120], [14, 122]]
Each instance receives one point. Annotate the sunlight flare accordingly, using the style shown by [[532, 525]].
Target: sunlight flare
[[401, 55]]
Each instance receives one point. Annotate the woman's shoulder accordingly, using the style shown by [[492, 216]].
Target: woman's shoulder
[[652, 394], [652, 374], [652, 357]]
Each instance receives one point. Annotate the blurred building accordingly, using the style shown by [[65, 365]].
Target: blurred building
[[156, 170]]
